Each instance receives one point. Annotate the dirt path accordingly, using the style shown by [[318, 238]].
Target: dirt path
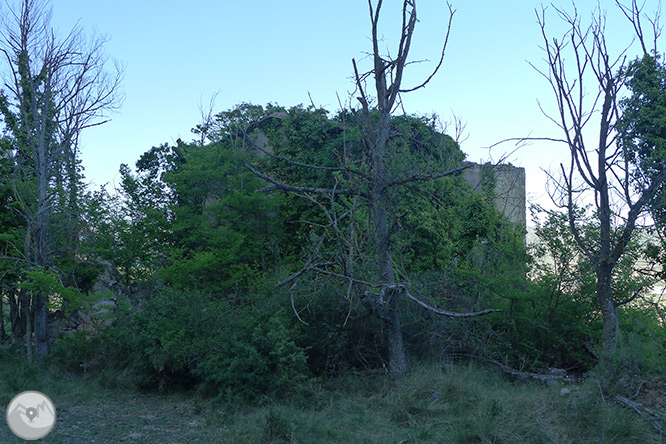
[[144, 419]]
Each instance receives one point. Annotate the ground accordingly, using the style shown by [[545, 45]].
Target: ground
[[652, 394], [434, 403], [127, 418]]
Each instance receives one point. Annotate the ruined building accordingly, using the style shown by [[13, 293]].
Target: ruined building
[[507, 186], [505, 182]]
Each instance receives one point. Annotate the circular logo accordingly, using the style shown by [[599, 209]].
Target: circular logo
[[31, 415]]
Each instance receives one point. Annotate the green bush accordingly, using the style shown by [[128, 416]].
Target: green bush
[[188, 339], [341, 334], [639, 354], [643, 332]]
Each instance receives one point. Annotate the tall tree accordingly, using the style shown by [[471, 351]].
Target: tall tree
[[588, 82], [380, 175], [54, 88]]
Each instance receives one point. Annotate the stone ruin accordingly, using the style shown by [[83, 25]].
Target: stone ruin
[[509, 189]]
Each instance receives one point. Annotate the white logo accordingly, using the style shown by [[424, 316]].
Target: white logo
[[31, 415]]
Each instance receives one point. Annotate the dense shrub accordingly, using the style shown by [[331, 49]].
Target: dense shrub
[[340, 334], [640, 352], [190, 339]]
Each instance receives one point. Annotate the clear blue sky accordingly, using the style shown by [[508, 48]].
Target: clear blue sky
[[179, 53]]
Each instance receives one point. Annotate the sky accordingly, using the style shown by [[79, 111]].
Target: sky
[[179, 54]]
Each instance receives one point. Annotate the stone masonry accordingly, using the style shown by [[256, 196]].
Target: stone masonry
[[509, 189]]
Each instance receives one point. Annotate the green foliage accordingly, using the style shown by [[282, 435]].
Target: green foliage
[[640, 353], [643, 123], [553, 316], [642, 131], [553, 320], [217, 235], [223, 232], [185, 338], [46, 282], [436, 225], [342, 333], [191, 215], [230, 125]]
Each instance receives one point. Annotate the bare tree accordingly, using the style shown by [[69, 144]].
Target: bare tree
[[373, 187], [53, 89], [588, 83]]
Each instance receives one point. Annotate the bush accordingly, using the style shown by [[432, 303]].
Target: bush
[[189, 339], [639, 354], [341, 334]]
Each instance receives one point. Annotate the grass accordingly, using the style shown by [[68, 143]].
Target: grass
[[432, 404]]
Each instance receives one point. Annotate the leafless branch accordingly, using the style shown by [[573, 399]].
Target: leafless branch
[[428, 177], [520, 140], [284, 187], [451, 314], [441, 58]]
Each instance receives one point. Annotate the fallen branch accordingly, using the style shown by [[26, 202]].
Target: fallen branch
[[546, 378], [644, 412]]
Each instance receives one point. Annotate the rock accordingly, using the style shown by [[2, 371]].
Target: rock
[[100, 314], [107, 280], [557, 372]]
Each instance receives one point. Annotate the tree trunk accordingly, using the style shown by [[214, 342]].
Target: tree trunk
[[41, 336], [397, 358], [16, 314], [28, 325], [605, 266], [41, 231], [608, 309], [3, 334]]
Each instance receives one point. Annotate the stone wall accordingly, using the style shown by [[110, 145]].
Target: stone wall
[[509, 190]]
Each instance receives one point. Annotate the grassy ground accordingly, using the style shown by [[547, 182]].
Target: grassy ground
[[432, 404]]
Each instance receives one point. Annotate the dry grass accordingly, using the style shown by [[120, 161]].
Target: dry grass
[[432, 404]]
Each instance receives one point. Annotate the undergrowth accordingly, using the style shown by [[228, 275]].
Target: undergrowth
[[459, 404]]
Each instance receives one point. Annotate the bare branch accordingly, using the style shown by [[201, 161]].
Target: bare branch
[[441, 58], [525, 139], [451, 314], [285, 187], [429, 177]]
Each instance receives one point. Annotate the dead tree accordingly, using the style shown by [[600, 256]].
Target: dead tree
[[587, 83], [54, 88], [374, 186]]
